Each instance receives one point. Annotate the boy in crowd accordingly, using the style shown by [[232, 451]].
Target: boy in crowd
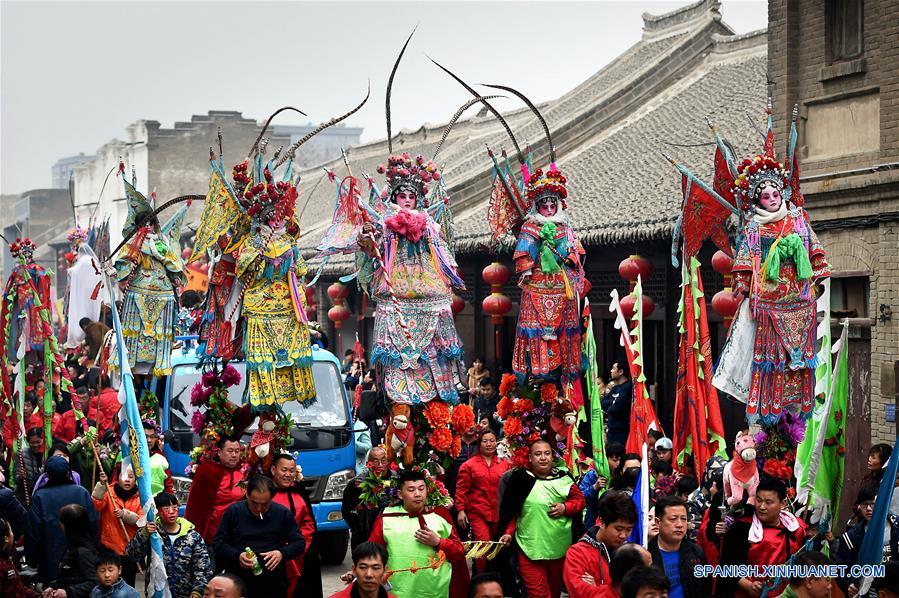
[[109, 574], [644, 582], [809, 586]]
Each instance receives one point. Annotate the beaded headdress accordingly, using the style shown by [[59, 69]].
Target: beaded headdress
[[547, 186], [405, 174], [754, 175], [78, 236], [23, 248]]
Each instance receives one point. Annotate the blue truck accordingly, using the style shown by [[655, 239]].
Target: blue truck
[[322, 438]]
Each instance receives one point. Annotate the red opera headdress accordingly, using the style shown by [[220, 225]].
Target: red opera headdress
[[267, 199], [405, 174], [22, 248], [547, 186], [754, 175]]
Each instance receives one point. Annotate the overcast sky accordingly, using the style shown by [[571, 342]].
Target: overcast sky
[[73, 75]]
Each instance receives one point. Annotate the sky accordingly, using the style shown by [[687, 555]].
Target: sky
[[74, 75]]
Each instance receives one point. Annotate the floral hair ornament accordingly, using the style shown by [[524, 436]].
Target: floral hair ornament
[[22, 248], [77, 236]]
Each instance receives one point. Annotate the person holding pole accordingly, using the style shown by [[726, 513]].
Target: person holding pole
[[119, 507]]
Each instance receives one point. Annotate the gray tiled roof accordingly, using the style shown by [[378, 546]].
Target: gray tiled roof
[[621, 188]]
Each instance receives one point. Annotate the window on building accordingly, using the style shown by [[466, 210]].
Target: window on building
[[849, 297], [845, 21]]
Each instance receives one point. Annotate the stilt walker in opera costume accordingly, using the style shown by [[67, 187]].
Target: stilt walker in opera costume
[[770, 357], [150, 273]]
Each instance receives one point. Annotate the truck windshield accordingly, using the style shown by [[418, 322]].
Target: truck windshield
[[327, 413]]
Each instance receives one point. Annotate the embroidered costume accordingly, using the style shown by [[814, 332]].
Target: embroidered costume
[[20, 310], [151, 273], [84, 276]]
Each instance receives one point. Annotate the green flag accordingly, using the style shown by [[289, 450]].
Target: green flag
[[597, 432]]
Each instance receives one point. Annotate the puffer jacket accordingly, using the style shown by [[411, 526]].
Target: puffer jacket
[[113, 529], [186, 558]]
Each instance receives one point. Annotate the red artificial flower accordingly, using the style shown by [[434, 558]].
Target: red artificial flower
[[504, 407], [522, 406], [549, 393], [437, 413], [457, 446], [520, 457], [409, 225], [512, 427], [441, 440], [507, 384], [463, 418]]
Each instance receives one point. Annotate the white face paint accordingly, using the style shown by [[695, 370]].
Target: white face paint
[[547, 208], [406, 200], [770, 199]]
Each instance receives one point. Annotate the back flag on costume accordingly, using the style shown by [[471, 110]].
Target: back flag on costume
[[698, 427]]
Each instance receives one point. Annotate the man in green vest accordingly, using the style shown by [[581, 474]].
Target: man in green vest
[[414, 536], [540, 511]]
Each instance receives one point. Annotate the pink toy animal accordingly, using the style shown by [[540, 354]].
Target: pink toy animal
[[741, 473]]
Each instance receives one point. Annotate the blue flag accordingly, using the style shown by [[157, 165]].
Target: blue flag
[[639, 535], [135, 453]]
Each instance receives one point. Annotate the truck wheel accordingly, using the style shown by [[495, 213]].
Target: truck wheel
[[332, 547]]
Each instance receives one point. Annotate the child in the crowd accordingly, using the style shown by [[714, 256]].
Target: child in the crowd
[[119, 510], [10, 583], [109, 576], [645, 582]]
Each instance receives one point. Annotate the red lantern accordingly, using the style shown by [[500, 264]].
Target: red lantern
[[496, 304], [310, 295], [630, 302], [722, 263], [338, 292], [458, 304], [338, 314], [726, 303], [311, 312], [633, 266]]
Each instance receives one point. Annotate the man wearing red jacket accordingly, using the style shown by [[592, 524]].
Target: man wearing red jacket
[[215, 487], [413, 534], [477, 491], [586, 570], [541, 510], [291, 495]]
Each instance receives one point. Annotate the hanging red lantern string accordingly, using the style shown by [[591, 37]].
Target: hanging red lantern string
[[311, 307], [497, 305], [338, 293], [630, 269], [457, 305]]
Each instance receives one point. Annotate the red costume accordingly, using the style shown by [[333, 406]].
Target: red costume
[[775, 547], [477, 494], [64, 427], [351, 592], [588, 558], [293, 500], [215, 488]]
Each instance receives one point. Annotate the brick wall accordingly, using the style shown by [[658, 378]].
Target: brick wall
[[800, 73]]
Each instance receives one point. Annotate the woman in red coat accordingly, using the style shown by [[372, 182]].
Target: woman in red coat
[[477, 491]]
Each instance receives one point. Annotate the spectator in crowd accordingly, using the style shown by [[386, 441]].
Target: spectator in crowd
[[353, 377], [77, 568], [216, 486], [848, 545], [630, 472], [477, 372], [413, 533], [303, 572], [809, 586], [225, 585], [699, 501], [369, 568], [615, 452], [160, 476], [486, 585], [624, 560], [586, 568], [269, 530], [10, 582], [31, 459], [45, 541], [477, 496], [109, 577], [888, 585], [359, 517], [486, 401], [592, 485], [369, 409], [469, 446], [57, 450], [664, 448], [878, 456], [184, 553], [769, 535], [541, 510], [12, 511], [347, 362], [616, 404], [674, 554], [644, 582], [119, 508]]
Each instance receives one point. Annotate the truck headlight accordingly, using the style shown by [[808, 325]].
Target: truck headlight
[[182, 488], [336, 484]]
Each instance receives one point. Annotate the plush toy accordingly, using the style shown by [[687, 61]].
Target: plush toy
[[741, 474], [261, 444], [400, 437], [562, 420]]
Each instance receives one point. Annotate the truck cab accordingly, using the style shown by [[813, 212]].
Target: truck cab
[[322, 439]]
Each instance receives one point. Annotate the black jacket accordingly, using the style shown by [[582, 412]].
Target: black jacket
[[690, 555], [360, 521], [78, 571], [617, 406]]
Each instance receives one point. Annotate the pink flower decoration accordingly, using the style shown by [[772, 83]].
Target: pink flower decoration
[[230, 376], [197, 422], [409, 225]]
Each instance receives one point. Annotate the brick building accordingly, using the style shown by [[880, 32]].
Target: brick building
[[839, 61]]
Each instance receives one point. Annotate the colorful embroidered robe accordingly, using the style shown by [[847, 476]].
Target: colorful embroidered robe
[[426, 364], [20, 310], [548, 337], [783, 306], [276, 337]]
